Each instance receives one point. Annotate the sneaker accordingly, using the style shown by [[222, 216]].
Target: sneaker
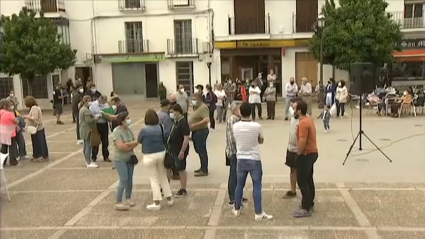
[[236, 212], [326, 130], [201, 174], [286, 118], [300, 213], [130, 203], [342, 117], [182, 192], [24, 157], [92, 165], [59, 123], [263, 216], [80, 141], [289, 194], [107, 160], [121, 207], [198, 171], [153, 207], [170, 202]]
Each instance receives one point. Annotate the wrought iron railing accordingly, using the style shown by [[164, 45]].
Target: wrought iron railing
[[46, 6], [131, 5], [249, 25], [133, 46], [175, 4], [179, 47], [408, 22]]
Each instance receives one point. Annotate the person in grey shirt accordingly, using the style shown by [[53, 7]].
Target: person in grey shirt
[[182, 99], [164, 116], [96, 108]]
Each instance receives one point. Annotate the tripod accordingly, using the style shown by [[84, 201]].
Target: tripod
[[359, 137]]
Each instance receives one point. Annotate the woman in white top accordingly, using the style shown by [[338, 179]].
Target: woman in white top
[[221, 100], [341, 97], [255, 100]]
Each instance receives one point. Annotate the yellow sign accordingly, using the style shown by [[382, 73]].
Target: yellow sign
[[262, 44]]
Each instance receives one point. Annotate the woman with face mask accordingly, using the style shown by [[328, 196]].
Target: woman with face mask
[[8, 124], [341, 97], [270, 97], [87, 123], [76, 99]]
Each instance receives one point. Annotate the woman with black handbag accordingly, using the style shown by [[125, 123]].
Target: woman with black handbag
[[125, 159]]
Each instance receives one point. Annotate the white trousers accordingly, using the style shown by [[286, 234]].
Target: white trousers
[[157, 174]]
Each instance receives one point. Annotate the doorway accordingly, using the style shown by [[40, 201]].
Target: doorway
[[305, 66], [84, 73], [151, 71]]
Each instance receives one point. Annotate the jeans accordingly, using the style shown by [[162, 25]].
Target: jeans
[[271, 109], [219, 117], [39, 145], [258, 105], [154, 163], [328, 100], [326, 124], [254, 168], [231, 183], [125, 172], [340, 108], [212, 120], [103, 130], [287, 105], [305, 163], [199, 138], [12, 150], [21, 143], [87, 151], [77, 120]]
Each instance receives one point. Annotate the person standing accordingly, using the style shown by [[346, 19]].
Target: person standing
[[182, 99], [58, 103], [35, 119], [270, 95], [124, 142], [248, 137], [162, 91], [291, 152], [255, 100], [118, 108], [76, 99], [221, 102], [102, 127], [230, 90], [178, 145], [307, 156], [240, 92], [12, 98], [210, 101], [231, 151], [198, 122], [92, 91], [291, 89], [87, 123], [20, 139], [330, 92], [8, 124], [306, 92], [341, 97], [271, 77]]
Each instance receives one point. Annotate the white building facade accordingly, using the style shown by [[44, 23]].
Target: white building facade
[[130, 46]]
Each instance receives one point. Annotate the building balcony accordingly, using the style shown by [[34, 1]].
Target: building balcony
[[181, 4], [131, 5], [182, 47], [408, 22], [249, 25], [133, 46], [46, 6]]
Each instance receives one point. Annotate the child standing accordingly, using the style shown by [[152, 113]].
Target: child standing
[[326, 117]]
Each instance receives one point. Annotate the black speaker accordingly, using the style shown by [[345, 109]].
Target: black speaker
[[362, 79]]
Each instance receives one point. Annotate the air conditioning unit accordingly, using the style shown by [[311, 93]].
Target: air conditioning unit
[[208, 58]]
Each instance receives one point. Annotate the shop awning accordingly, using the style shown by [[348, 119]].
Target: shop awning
[[410, 55]]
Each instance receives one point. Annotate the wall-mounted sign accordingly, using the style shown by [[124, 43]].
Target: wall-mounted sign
[[262, 44], [130, 58], [412, 43]]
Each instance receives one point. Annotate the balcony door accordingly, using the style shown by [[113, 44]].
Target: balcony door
[[49, 6], [250, 16], [306, 15], [183, 43], [413, 15], [134, 37]]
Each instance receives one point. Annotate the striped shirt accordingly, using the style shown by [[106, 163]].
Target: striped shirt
[[247, 134], [230, 138]]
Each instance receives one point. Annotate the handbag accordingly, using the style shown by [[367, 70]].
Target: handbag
[[94, 137], [32, 129], [168, 160], [133, 159]]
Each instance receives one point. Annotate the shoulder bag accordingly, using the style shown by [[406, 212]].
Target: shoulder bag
[[168, 160]]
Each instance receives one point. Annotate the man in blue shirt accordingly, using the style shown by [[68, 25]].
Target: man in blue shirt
[[102, 127]]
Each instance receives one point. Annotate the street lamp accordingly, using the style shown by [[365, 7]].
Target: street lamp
[[321, 24]]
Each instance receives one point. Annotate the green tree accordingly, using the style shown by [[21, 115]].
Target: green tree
[[31, 46], [357, 31]]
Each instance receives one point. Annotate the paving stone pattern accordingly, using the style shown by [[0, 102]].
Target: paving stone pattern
[[63, 199]]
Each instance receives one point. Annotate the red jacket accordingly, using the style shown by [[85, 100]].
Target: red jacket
[[243, 91]]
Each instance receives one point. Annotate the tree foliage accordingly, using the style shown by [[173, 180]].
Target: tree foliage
[[31, 46], [357, 31]]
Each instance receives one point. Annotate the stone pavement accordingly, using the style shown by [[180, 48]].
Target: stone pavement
[[367, 198]]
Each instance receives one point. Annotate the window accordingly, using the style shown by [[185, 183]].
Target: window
[[413, 10], [184, 75], [39, 87], [134, 37], [181, 3], [6, 85], [183, 37], [133, 4]]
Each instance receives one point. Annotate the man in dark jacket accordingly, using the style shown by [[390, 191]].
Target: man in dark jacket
[[162, 91], [93, 92], [76, 99]]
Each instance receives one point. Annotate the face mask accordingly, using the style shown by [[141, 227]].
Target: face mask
[[229, 82], [89, 103], [114, 107], [181, 90], [12, 107], [12, 95], [405, 93], [271, 85], [194, 102], [128, 122], [339, 84], [93, 90], [172, 116], [292, 82], [81, 90]]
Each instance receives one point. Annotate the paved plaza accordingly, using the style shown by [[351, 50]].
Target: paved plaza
[[369, 197]]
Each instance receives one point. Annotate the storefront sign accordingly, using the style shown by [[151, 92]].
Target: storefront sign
[[130, 58], [262, 44], [412, 43]]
